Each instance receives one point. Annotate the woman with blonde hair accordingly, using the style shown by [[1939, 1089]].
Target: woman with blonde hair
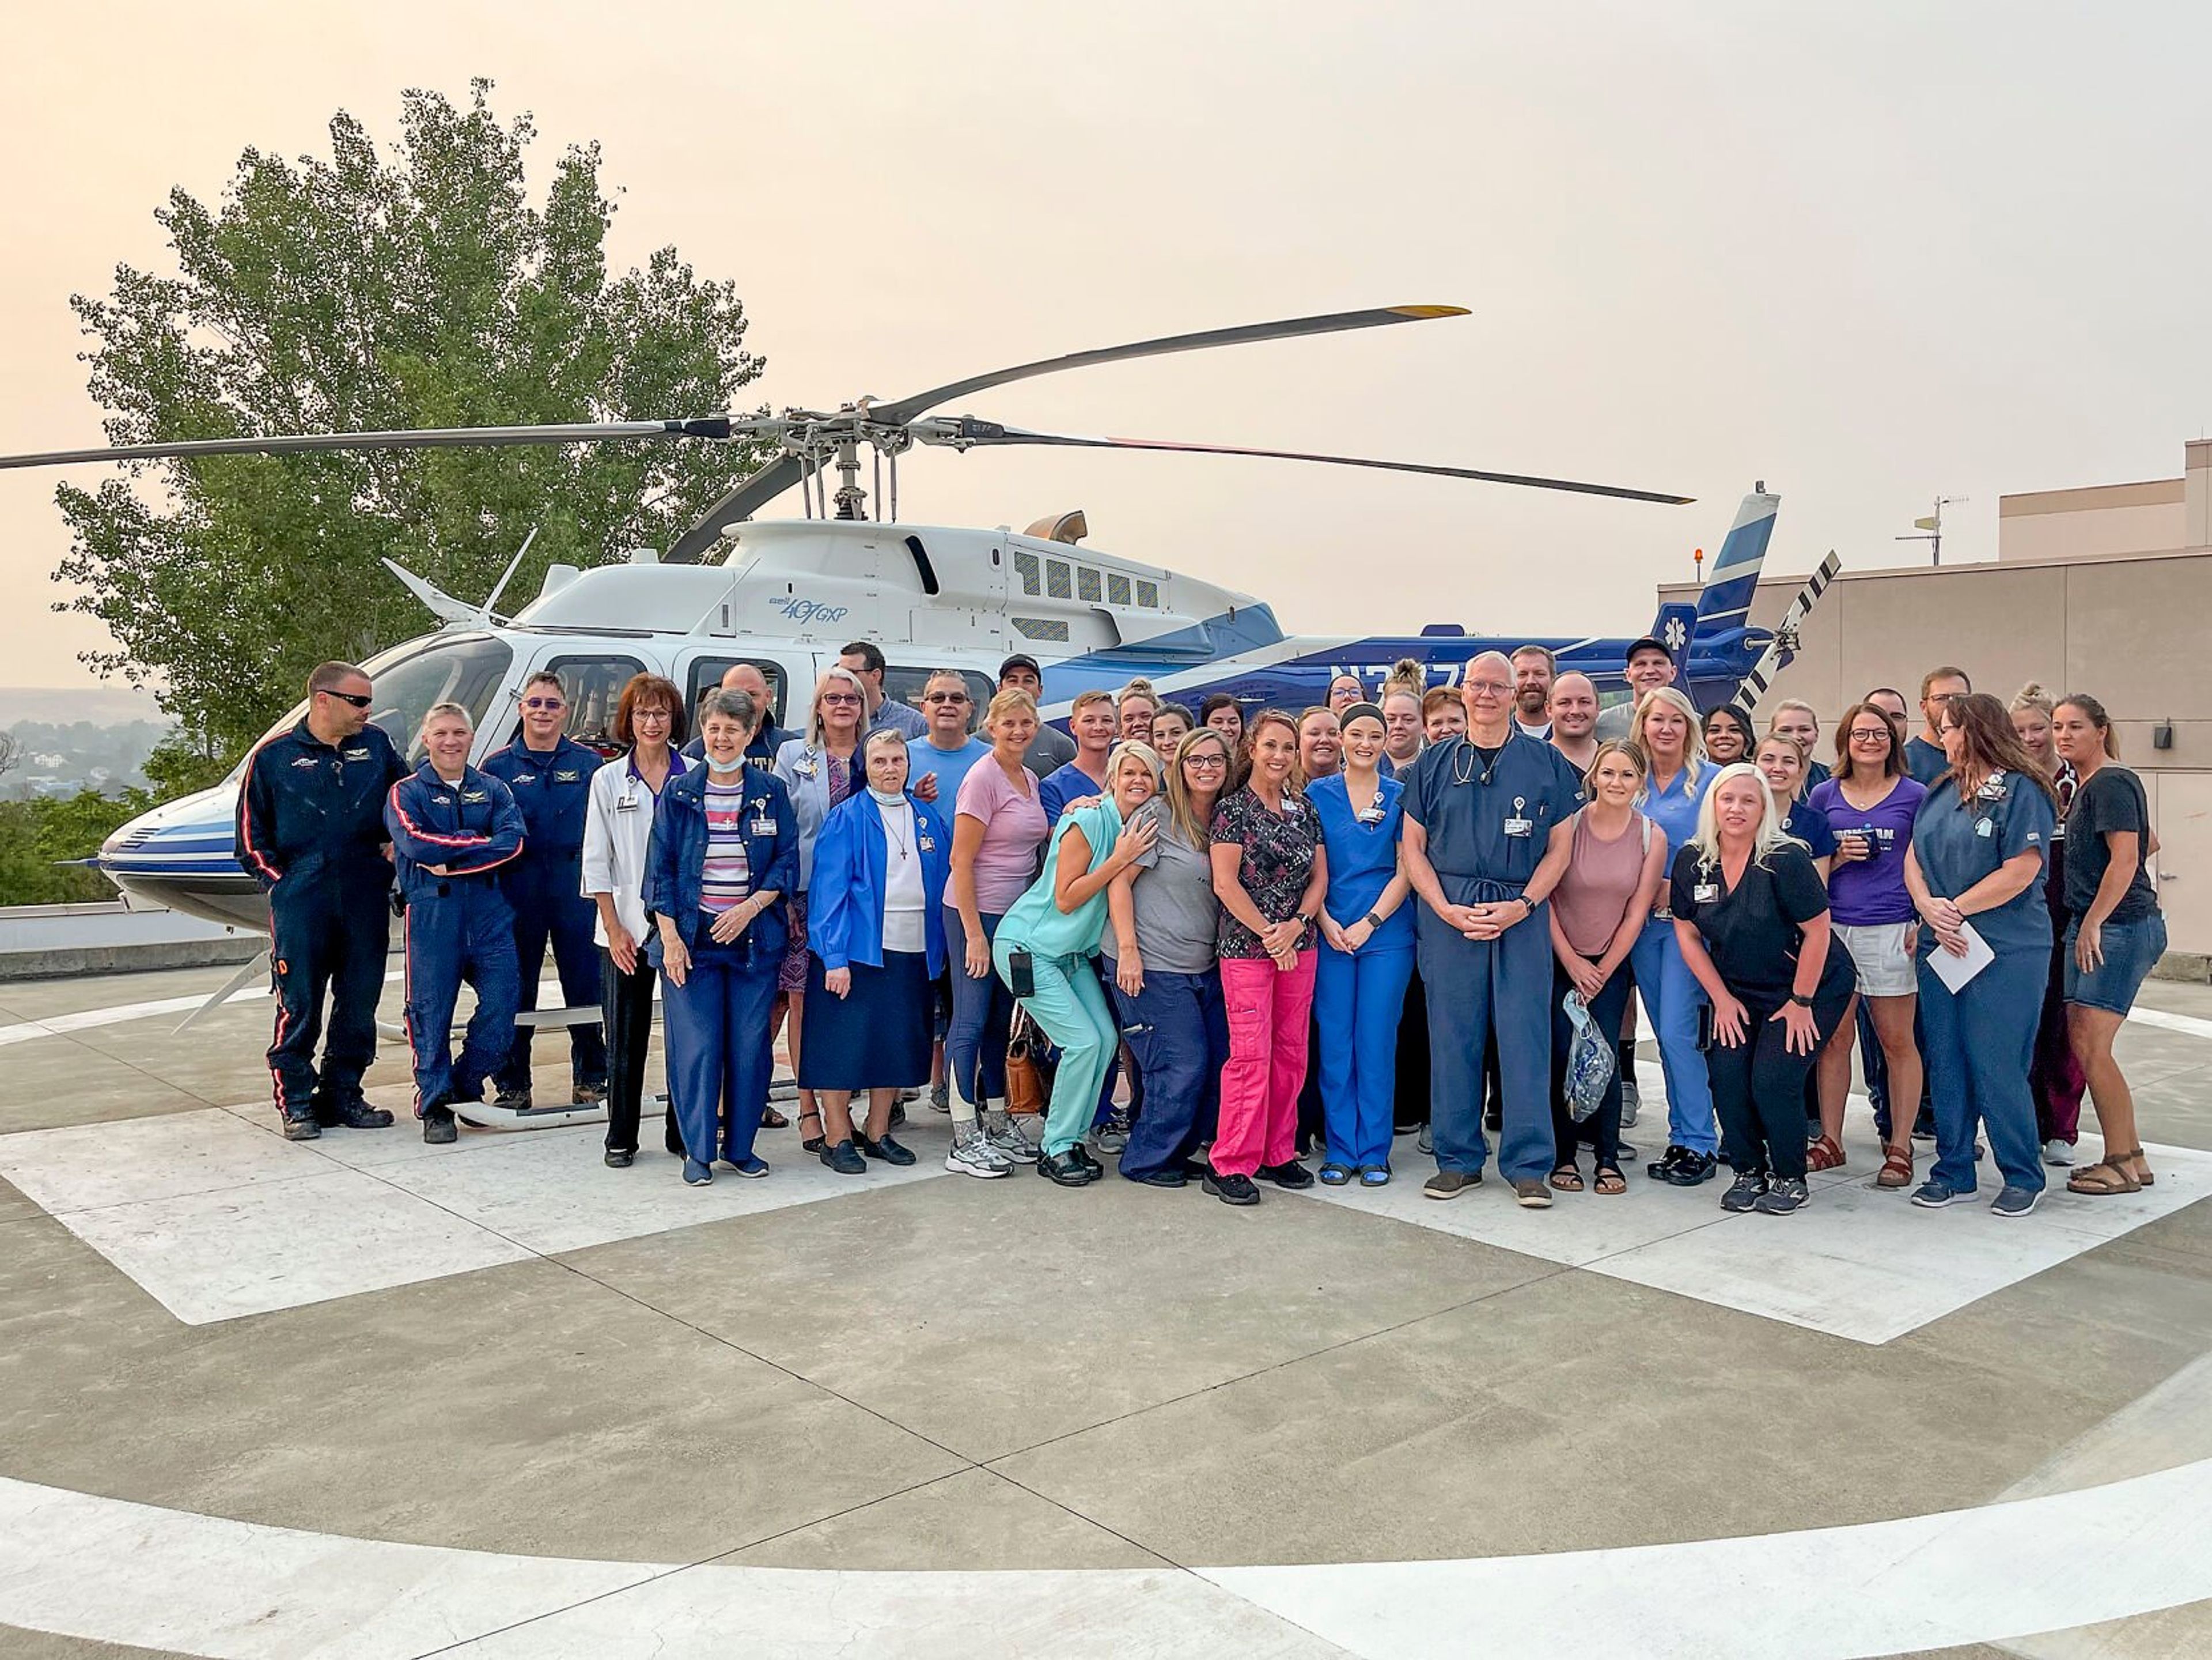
[[1165, 975], [1047, 942], [819, 772], [998, 826], [1751, 916], [1598, 914], [2056, 1076], [1664, 732]]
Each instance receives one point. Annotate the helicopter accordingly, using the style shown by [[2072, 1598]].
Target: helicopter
[[786, 595]]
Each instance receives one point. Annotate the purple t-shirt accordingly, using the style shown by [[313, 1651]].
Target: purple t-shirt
[[1869, 892], [1013, 829]]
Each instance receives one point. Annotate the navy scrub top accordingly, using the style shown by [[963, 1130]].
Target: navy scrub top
[[2010, 815], [1490, 824]]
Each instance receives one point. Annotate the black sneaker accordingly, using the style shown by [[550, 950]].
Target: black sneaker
[[302, 1127], [510, 1100], [1290, 1175], [1232, 1189], [843, 1159], [618, 1159], [591, 1095], [1065, 1172], [438, 1127], [1692, 1169], [883, 1148], [1784, 1194], [1661, 1168], [360, 1116], [1744, 1192], [1080, 1155]]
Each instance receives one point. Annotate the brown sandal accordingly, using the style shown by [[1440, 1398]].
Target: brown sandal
[[1824, 1154], [1609, 1180], [2106, 1177], [1896, 1168], [2136, 1156]]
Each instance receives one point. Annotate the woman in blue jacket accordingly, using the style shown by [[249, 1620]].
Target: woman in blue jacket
[[723, 861], [875, 940]]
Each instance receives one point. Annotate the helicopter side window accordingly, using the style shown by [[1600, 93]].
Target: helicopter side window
[[594, 689], [466, 670]]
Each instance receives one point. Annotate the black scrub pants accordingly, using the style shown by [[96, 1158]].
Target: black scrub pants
[[1759, 1086], [626, 1002]]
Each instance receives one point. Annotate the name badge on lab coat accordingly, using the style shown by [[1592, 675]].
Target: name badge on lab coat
[[1516, 825]]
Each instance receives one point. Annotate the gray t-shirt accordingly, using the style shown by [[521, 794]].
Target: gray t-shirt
[[1176, 911], [1613, 723], [1051, 750]]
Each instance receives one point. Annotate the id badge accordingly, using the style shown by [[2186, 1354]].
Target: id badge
[[1705, 893], [625, 804], [1516, 825], [1985, 828], [763, 825], [928, 843]]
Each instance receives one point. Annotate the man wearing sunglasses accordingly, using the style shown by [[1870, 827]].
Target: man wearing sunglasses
[[310, 830], [550, 776]]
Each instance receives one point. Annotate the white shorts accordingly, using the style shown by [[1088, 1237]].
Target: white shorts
[[1877, 949]]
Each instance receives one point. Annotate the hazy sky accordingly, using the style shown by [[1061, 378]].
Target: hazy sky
[[1866, 254]]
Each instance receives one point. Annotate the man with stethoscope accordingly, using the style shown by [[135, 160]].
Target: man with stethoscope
[[1488, 836]]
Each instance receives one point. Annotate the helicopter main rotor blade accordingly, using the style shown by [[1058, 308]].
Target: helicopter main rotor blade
[[1335, 322], [964, 434], [580, 432], [780, 475]]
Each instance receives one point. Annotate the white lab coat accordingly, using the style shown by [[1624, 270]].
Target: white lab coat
[[618, 830]]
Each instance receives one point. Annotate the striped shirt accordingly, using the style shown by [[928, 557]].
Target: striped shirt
[[726, 877]]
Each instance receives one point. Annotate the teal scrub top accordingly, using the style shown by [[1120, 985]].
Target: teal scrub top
[[2010, 815], [1037, 924]]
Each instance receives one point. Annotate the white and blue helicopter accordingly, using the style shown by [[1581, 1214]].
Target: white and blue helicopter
[[786, 595]]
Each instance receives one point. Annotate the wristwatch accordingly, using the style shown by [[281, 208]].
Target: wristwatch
[[1801, 1000], [1373, 920]]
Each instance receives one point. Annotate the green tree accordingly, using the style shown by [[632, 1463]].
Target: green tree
[[417, 286], [39, 838]]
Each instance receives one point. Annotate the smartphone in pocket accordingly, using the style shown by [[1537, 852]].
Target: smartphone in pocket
[[1021, 973], [1704, 1026]]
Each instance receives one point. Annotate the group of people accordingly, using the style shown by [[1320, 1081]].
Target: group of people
[[1281, 935]]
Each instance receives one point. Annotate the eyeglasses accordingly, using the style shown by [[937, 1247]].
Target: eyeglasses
[[946, 697], [636, 715], [535, 703], [356, 699], [1495, 688], [1869, 735], [1210, 762], [841, 697]]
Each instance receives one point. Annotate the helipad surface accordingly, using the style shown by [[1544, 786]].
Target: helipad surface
[[364, 1397]]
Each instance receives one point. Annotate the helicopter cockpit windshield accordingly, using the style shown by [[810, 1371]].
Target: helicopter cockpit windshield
[[408, 680]]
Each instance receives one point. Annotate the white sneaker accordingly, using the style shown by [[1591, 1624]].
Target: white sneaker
[[973, 1155], [2056, 1151], [1007, 1138]]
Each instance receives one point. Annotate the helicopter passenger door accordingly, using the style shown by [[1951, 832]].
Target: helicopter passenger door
[[592, 683], [789, 672]]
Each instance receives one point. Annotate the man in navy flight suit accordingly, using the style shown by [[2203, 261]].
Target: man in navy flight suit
[[452, 827], [310, 830], [549, 776]]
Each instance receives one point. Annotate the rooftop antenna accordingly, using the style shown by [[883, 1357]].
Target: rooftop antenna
[[1931, 528]]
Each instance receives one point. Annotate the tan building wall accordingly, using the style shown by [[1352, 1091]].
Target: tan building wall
[[2104, 521], [2133, 631]]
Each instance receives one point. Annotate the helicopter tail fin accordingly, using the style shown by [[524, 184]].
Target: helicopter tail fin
[[1726, 601]]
